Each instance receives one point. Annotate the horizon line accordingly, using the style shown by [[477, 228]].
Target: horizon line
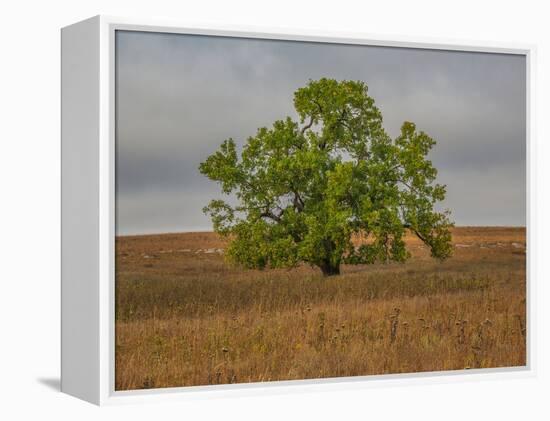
[[204, 231]]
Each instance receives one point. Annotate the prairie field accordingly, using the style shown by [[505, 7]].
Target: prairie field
[[186, 317]]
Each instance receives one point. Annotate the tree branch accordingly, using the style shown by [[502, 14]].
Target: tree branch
[[318, 106], [269, 214], [298, 203], [409, 226], [307, 126], [411, 188]]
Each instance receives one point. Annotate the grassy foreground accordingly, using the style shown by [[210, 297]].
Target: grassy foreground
[[185, 317]]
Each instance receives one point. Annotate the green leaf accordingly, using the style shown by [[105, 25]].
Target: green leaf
[[306, 188]]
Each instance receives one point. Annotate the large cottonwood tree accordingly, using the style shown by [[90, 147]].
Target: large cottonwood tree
[[306, 189]]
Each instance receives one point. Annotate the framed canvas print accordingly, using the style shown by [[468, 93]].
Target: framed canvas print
[[243, 210]]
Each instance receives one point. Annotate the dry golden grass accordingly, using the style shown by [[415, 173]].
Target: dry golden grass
[[185, 317]]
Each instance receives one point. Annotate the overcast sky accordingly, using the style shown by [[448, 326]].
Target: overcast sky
[[179, 96]]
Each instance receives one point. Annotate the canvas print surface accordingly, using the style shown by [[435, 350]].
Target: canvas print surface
[[296, 210]]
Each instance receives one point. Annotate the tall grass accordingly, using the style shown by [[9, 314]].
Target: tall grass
[[190, 319]]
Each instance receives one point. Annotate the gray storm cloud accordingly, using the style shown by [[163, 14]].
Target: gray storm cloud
[[179, 96]]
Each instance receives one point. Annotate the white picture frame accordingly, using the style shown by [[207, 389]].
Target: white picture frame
[[88, 213]]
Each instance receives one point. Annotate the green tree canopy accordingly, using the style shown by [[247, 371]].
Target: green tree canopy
[[305, 189]]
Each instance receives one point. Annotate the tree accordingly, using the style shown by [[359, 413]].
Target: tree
[[306, 189]]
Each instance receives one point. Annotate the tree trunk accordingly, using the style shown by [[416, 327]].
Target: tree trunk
[[329, 269]]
